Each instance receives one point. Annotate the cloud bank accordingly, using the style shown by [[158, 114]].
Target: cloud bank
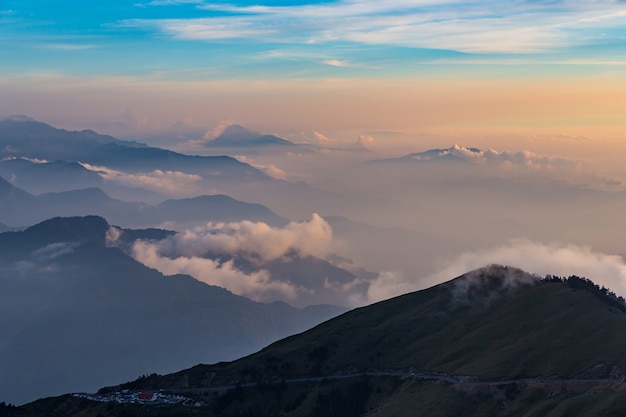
[[475, 27], [173, 183], [186, 253], [257, 240], [256, 285], [533, 257], [504, 160]]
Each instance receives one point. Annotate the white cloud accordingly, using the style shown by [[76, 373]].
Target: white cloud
[[256, 285], [258, 240], [543, 259], [485, 26], [270, 170], [112, 236], [319, 137], [533, 257], [217, 130], [183, 253], [336, 63], [364, 141], [52, 251], [503, 159], [388, 284], [171, 182], [33, 160], [65, 46]]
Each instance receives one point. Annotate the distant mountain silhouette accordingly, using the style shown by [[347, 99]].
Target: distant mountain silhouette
[[31, 139], [453, 154], [216, 208], [493, 342], [239, 136], [41, 177], [76, 314], [13, 201], [20, 208], [35, 142]]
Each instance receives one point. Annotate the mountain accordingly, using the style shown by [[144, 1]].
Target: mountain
[[318, 280], [134, 171], [493, 342], [215, 208], [454, 154], [13, 200], [77, 314], [26, 138], [18, 207], [40, 177], [239, 136]]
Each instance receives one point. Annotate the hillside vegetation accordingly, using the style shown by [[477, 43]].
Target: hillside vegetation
[[493, 342]]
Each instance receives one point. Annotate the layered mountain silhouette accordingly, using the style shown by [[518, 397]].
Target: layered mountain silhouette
[[493, 342], [41, 177], [454, 154], [39, 158], [76, 313], [20, 208], [240, 136], [26, 138]]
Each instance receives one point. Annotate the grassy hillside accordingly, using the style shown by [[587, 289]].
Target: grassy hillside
[[474, 325], [494, 342]]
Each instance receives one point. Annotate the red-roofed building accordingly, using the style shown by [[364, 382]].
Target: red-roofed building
[[145, 396]]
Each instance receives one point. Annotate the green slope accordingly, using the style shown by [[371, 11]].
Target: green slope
[[512, 344]]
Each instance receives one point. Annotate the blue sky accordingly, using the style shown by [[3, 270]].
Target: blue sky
[[300, 39], [282, 66]]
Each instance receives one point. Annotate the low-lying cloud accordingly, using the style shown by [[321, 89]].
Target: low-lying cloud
[[186, 253], [504, 160], [544, 259], [533, 257], [256, 285], [257, 240], [269, 169], [173, 183]]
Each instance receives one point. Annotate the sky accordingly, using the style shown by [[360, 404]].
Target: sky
[[137, 68]]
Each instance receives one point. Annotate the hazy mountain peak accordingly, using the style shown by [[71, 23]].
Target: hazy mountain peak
[[237, 135], [455, 152], [65, 229], [18, 118], [489, 282]]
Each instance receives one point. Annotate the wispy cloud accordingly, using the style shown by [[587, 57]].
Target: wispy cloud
[[336, 63], [65, 46], [533, 257], [478, 26], [258, 242], [173, 182]]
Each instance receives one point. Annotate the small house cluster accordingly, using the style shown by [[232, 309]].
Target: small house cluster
[[128, 397]]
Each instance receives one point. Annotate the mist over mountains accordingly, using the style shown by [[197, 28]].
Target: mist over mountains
[[78, 313], [213, 257], [491, 342], [235, 136], [20, 208], [131, 169]]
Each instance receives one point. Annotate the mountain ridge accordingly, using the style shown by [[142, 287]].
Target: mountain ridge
[[496, 341], [20, 208], [240, 136], [77, 312]]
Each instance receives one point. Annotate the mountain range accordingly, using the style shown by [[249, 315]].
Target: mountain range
[[27, 138], [20, 208], [493, 342], [77, 313], [40, 158], [239, 136]]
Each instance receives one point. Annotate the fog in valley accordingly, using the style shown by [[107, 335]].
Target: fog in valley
[[393, 217]]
